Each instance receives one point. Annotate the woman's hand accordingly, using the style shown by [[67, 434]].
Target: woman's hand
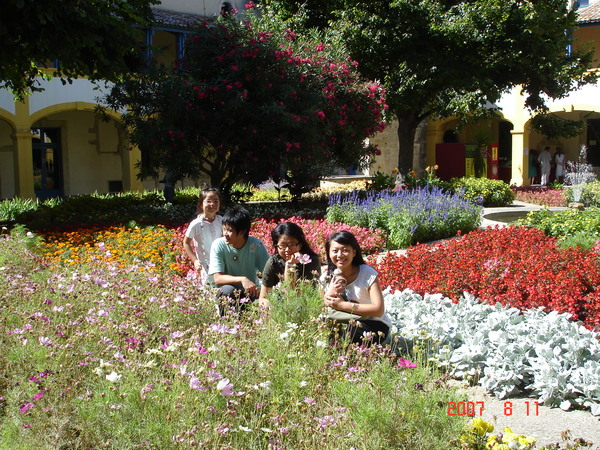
[[335, 301], [293, 259], [338, 285]]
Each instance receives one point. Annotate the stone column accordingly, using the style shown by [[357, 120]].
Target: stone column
[[520, 161], [130, 155], [24, 163]]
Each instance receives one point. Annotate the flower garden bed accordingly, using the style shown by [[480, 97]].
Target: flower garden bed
[[146, 341], [515, 266]]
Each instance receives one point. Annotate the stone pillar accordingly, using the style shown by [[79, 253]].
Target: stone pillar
[[23, 155], [24, 164], [130, 155], [520, 161]]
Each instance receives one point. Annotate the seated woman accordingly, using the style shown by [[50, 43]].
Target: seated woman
[[355, 289], [286, 261]]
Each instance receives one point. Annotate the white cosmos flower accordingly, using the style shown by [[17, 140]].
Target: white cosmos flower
[[113, 377]]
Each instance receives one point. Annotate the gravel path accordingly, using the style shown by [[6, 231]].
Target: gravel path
[[543, 423]]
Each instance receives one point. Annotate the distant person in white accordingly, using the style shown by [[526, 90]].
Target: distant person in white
[[545, 160]]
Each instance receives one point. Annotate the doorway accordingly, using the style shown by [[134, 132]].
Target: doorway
[[593, 142], [47, 163]]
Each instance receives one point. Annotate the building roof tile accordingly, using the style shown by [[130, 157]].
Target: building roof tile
[[174, 19], [589, 14]]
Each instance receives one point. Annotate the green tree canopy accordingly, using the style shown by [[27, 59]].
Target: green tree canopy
[[457, 58], [245, 104], [95, 38]]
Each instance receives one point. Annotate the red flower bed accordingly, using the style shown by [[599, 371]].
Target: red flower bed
[[515, 266], [540, 195], [316, 231]]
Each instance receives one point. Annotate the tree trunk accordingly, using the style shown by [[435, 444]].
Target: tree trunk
[[407, 126], [420, 148]]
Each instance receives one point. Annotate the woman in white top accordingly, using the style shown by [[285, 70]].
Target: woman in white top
[[355, 289], [203, 230]]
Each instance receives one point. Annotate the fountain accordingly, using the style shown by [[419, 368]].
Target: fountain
[[579, 173]]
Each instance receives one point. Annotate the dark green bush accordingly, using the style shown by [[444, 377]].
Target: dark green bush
[[142, 207]]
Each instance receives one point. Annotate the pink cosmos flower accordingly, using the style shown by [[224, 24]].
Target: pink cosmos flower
[[406, 363], [195, 383], [303, 259], [225, 387], [45, 341], [310, 401], [26, 407]]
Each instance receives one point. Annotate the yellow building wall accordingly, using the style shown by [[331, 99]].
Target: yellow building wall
[[165, 47], [589, 35]]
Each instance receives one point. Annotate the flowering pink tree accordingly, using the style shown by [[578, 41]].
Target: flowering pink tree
[[245, 104]]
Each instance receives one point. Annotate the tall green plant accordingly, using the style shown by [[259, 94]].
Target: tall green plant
[[251, 99]]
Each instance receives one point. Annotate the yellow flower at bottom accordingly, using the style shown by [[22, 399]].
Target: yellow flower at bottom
[[481, 427], [521, 441]]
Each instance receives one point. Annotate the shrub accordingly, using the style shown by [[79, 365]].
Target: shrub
[[515, 266], [580, 240], [408, 216], [323, 193], [143, 207], [271, 191], [509, 352], [11, 209], [491, 193], [590, 195], [381, 182], [564, 223]]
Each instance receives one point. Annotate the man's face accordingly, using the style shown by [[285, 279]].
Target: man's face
[[234, 238]]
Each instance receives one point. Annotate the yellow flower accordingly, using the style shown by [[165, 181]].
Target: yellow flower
[[481, 427]]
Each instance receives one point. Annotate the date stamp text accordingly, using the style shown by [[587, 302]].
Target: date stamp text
[[476, 408]]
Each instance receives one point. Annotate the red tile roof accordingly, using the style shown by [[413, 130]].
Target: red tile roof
[[175, 19], [590, 14]]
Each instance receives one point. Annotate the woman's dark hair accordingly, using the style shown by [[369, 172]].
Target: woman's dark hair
[[238, 218], [344, 238], [203, 194], [292, 230]]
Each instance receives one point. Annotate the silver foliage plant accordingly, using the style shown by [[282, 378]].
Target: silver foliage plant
[[508, 351]]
